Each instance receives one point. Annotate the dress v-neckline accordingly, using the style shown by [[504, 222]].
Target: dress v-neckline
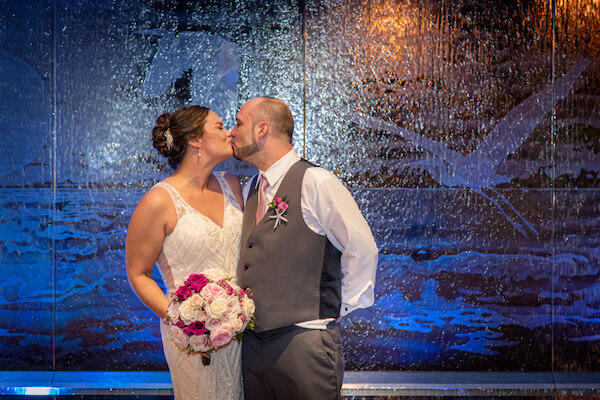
[[202, 214]]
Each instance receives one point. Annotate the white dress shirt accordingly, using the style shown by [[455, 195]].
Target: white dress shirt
[[329, 209]]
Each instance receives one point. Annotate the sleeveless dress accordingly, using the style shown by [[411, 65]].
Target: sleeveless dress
[[196, 244]]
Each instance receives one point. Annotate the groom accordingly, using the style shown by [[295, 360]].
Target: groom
[[307, 254]]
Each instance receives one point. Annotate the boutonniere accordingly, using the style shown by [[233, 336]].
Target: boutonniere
[[280, 206]]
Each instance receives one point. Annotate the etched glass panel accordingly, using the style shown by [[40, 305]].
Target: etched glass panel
[[147, 58], [26, 196], [577, 196], [438, 115]]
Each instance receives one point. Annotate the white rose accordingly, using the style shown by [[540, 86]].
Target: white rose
[[236, 323], [216, 308], [179, 338], [233, 306], [197, 300], [202, 316], [188, 312], [173, 312], [215, 274], [248, 307]]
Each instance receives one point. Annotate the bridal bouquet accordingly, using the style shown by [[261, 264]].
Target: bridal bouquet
[[207, 311]]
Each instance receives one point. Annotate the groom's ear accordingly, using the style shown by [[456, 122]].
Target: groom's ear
[[262, 127]]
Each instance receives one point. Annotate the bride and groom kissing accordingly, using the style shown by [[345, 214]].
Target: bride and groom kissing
[[293, 236]]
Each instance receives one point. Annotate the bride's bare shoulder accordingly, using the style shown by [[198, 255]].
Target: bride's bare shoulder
[[157, 199]]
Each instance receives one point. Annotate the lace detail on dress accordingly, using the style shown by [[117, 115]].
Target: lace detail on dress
[[196, 244], [227, 191], [180, 204]]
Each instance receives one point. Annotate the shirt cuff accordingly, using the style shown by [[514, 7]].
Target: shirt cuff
[[365, 298]]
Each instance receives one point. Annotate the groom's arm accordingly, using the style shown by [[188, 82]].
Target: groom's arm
[[328, 208]]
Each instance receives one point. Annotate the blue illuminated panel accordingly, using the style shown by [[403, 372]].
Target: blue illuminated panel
[[472, 151]]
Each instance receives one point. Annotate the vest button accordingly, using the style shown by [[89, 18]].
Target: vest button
[[246, 266], [250, 244]]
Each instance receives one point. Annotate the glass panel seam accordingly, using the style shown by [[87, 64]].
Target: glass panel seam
[[304, 45], [54, 165], [553, 180]]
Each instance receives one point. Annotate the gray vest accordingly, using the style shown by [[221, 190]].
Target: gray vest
[[293, 272]]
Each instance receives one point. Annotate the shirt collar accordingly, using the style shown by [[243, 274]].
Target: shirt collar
[[280, 168]]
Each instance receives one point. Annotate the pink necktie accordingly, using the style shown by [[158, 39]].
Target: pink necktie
[[262, 199]]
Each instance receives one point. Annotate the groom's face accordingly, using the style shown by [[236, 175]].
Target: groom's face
[[243, 139]]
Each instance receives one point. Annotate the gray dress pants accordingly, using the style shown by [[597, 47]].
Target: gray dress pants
[[293, 363]]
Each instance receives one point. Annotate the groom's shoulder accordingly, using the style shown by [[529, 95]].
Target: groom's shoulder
[[318, 174]]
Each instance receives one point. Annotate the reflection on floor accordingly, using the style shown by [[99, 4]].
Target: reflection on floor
[[357, 385]]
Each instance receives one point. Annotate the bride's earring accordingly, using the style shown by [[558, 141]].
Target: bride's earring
[[199, 152]]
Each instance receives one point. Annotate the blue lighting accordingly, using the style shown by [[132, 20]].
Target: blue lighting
[[32, 391]]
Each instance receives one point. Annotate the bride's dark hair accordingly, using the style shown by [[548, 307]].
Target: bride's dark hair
[[183, 125]]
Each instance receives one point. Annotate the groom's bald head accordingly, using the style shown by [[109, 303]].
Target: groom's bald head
[[276, 113]]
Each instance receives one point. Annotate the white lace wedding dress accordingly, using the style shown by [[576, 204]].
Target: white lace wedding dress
[[196, 244]]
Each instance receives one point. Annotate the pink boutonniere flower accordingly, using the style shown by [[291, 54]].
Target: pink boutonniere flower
[[280, 206]]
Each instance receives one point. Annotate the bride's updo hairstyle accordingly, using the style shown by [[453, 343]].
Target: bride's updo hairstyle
[[172, 132]]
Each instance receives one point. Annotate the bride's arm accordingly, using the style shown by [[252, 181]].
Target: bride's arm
[[150, 222]]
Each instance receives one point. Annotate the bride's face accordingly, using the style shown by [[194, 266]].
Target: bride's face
[[216, 141]]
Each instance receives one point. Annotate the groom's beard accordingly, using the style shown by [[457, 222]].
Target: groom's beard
[[242, 153]]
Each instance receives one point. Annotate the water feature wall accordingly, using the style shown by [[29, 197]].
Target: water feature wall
[[468, 132]]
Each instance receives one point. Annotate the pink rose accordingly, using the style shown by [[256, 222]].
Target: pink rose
[[197, 278], [212, 291], [213, 324], [195, 328], [221, 336], [182, 293], [195, 287], [179, 338], [277, 199], [200, 343], [234, 306], [282, 206], [195, 282], [180, 324]]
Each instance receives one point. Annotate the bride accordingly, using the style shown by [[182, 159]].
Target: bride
[[189, 222]]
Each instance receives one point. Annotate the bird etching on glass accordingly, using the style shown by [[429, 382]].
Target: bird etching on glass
[[476, 170]]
